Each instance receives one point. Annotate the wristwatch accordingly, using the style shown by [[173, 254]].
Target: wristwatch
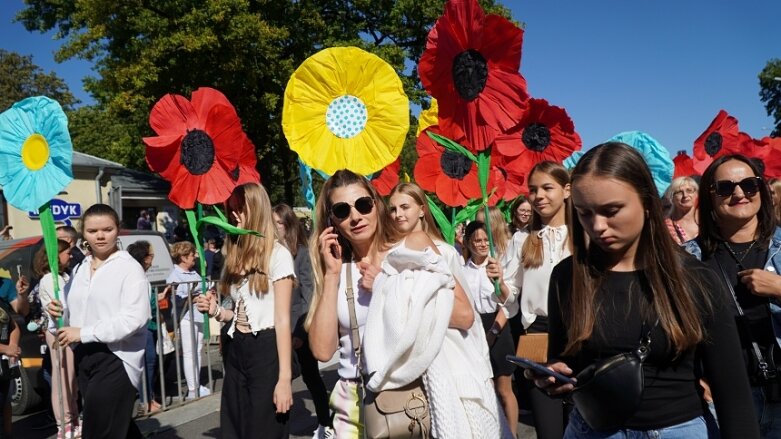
[[494, 330]]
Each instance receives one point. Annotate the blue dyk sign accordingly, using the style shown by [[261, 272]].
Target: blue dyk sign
[[61, 210]]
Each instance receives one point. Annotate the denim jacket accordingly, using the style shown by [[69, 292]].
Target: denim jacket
[[773, 264]]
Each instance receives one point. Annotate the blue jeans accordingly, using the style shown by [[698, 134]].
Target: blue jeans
[[768, 414], [692, 429], [150, 359]]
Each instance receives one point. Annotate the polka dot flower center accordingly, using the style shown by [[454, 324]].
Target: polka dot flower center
[[346, 116]]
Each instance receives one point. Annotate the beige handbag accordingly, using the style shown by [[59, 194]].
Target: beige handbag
[[533, 347], [390, 414]]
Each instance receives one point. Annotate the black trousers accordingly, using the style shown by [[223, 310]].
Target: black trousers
[[109, 396], [310, 372], [251, 374]]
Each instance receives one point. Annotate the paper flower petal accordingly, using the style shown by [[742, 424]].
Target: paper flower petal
[[656, 156]]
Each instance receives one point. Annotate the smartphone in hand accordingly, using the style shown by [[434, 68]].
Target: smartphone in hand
[[540, 369]]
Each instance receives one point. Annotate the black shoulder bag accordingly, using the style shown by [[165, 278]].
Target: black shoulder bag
[[761, 369], [610, 391]]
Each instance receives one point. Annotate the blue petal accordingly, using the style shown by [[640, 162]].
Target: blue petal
[[573, 160], [25, 189], [656, 156]]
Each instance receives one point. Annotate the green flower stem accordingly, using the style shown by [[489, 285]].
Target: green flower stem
[[52, 253], [194, 230], [483, 170]]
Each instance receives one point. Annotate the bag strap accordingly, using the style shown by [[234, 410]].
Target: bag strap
[[760, 359], [355, 335]]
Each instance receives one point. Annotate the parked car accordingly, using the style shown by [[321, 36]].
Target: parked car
[[30, 389]]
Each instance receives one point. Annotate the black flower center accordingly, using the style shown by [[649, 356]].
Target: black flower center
[[470, 73], [235, 174], [536, 137], [197, 152], [713, 143], [455, 165]]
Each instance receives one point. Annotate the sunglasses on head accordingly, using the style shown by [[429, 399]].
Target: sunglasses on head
[[363, 205], [725, 188]]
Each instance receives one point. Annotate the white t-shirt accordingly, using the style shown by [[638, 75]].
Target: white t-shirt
[[260, 307], [534, 282], [480, 287], [189, 282], [46, 295]]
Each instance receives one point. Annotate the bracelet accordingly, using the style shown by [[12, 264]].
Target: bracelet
[[216, 312]]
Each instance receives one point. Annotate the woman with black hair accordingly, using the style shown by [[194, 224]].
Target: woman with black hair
[[740, 241]]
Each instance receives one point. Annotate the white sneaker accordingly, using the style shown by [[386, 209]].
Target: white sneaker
[[324, 432], [202, 391]]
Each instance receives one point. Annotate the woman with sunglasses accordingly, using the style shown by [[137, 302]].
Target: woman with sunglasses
[[628, 287], [740, 241], [258, 275], [354, 235], [682, 219]]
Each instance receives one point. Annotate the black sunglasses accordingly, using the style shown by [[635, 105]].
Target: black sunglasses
[[363, 205], [725, 188]]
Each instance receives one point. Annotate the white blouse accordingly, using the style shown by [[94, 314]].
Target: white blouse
[[534, 282], [260, 307], [111, 306]]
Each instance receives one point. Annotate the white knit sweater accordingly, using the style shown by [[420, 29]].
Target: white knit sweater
[[407, 335]]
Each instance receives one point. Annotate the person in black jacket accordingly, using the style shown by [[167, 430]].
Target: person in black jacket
[[628, 280], [291, 233]]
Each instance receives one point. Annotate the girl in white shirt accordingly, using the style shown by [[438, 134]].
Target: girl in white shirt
[[108, 304], [258, 274], [544, 245], [64, 390]]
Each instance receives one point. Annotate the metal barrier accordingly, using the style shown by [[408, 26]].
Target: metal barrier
[[189, 308]]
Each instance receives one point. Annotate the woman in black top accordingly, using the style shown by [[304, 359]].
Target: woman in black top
[[740, 241], [627, 278]]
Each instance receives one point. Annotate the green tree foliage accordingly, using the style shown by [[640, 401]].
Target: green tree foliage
[[770, 92], [20, 78], [94, 131], [247, 49]]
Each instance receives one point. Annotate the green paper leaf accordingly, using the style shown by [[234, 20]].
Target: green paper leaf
[[220, 214], [483, 170], [445, 226], [193, 224], [469, 211], [451, 145], [52, 249]]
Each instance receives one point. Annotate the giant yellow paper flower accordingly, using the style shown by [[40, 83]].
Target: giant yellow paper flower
[[345, 108], [428, 117]]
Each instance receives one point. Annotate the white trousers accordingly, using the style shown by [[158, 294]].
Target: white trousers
[[191, 354]]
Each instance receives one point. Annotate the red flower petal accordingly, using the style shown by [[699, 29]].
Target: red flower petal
[[727, 127], [219, 183], [684, 165], [388, 178], [449, 191], [172, 115], [773, 160], [248, 161], [206, 98], [184, 189], [427, 171], [502, 46]]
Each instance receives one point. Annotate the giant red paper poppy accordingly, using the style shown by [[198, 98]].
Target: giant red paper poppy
[[388, 178], [196, 146], [773, 160], [546, 132], [757, 150], [514, 178], [470, 66], [450, 175], [721, 138], [684, 165], [246, 171]]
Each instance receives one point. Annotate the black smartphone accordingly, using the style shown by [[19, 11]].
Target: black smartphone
[[539, 369]]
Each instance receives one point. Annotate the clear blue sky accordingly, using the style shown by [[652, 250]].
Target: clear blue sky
[[661, 66]]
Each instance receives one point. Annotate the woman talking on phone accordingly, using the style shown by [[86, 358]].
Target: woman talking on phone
[[630, 300], [354, 237]]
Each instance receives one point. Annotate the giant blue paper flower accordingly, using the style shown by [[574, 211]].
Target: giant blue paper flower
[[656, 156], [35, 152]]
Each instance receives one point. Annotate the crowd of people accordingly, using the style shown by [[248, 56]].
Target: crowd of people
[[592, 274]]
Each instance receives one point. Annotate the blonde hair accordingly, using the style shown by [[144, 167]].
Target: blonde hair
[[249, 256], [385, 235], [677, 184], [499, 229], [775, 184], [532, 252], [181, 249], [419, 197]]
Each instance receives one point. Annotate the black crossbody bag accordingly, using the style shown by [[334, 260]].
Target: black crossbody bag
[[762, 369]]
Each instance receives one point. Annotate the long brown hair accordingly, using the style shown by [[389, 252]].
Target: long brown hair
[[248, 255], [385, 235], [416, 193], [710, 235], [41, 261], [499, 230], [532, 251], [671, 286], [295, 235]]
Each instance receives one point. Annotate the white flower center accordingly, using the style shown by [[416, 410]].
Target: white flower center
[[346, 116]]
